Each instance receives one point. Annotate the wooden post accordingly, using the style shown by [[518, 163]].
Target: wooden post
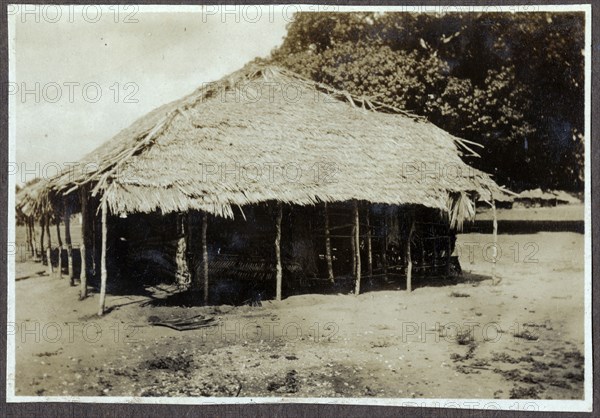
[[495, 239], [103, 272], [60, 247], [31, 227], [448, 254], [384, 246], [42, 234], [28, 237], [93, 238], [278, 268], [328, 255], [353, 249], [356, 230], [424, 263], [68, 241], [49, 246], [205, 256], [82, 249], [435, 253], [187, 225], [409, 255], [369, 243]]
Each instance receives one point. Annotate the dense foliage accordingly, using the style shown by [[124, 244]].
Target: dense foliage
[[512, 82]]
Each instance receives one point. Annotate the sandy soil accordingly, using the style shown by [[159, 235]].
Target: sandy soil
[[522, 338]]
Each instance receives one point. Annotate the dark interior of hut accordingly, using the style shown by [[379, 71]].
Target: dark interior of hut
[[153, 249]]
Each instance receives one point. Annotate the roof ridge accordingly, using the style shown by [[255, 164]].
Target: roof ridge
[[399, 127]]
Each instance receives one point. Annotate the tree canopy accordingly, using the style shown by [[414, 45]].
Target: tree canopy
[[511, 82]]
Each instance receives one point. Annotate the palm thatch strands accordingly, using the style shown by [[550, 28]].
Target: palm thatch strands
[[203, 125], [460, 208], [183, 273]]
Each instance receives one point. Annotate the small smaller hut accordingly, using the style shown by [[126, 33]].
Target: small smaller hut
[[33, 205], [540, 198]]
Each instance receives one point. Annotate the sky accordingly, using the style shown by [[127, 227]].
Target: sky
[[79, 79]]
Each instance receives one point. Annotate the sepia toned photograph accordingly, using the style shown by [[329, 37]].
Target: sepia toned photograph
[[300, 204]]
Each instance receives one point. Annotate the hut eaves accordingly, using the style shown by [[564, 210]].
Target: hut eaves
[[266, 134]]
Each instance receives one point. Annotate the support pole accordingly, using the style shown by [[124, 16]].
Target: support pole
[[67, 220], [205, 256], [60, 247], [353, 249], [448, 254], [278, 268], [28, 231], [42, 236], [356, 230], [369, 243], [49, 246], [84, 237], [423, 263], [103, 272], [328, 255], [435, 252], [495, 240], [384, 247], [93, 242], [31, 226], [409, 255]]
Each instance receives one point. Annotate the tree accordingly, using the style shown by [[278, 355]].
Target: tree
[[512, 82]]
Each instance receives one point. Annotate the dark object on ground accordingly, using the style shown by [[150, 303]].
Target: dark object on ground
[[289, 385], [459, 295], [195, 322], [527, 335], [524, 393], [455, 269], [177, 363]]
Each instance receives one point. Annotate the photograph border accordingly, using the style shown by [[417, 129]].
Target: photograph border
[[41, 403]]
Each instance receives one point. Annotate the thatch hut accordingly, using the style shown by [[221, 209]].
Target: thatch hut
[[33, 203], [271, 178], [540, 198], [503, 200]]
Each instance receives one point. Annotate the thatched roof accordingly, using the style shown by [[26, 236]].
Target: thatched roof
[[32, 199], [539, 194], [535, 194], [310, 143], [563, 196]]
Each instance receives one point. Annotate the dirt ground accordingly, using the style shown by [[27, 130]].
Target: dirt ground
[[522, 338]]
